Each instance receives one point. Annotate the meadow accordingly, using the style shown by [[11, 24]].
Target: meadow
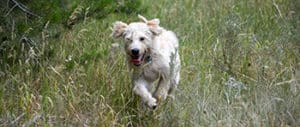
[[240, 67]]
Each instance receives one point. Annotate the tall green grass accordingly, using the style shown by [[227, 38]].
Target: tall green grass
[[240, 67]]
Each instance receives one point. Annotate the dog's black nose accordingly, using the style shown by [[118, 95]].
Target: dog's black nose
[[154, 107], [135, 51]]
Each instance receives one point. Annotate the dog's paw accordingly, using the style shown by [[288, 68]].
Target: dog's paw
[[160, 97], [152, 103]]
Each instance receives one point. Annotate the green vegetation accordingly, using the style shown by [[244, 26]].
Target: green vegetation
[[240, 64]]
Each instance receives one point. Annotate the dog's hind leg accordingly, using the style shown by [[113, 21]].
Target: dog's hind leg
[[162, 89], [174, 73], [173, 85]]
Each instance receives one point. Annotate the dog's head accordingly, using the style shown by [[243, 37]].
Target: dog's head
[[138, 37]]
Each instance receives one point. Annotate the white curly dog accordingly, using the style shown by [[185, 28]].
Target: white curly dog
[[152, 53]]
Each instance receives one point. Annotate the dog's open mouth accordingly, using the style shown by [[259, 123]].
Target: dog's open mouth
[[137, 60]]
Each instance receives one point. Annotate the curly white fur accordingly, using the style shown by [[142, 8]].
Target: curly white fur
[[152, 53]]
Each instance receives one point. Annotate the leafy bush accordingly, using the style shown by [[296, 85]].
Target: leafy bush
[[31, 18]]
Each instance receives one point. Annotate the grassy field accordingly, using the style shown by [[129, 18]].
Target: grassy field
[[240, 67]]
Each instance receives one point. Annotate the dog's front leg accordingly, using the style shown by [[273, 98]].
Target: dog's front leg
[[141, 89]]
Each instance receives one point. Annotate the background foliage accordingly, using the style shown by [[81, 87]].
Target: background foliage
[[240, 63]]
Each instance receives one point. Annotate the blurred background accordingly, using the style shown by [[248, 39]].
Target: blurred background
[[60, 67]]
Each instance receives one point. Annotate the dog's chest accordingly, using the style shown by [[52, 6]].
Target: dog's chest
[[151, 74]]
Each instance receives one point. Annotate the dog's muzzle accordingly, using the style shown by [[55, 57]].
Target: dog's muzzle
[[136, 57], [137, 60]]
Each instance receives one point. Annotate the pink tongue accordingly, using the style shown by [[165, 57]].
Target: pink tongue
[[135, 61]]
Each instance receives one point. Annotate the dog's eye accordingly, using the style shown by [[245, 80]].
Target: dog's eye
[[142, 38], [128, 39]]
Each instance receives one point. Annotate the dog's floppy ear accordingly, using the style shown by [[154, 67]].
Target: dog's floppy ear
[[118, 29], [154, 26]]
